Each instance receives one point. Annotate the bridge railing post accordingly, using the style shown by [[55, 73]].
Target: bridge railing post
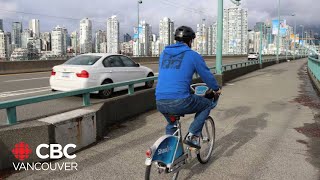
[[86, 99], [12, 115], [131, 89]]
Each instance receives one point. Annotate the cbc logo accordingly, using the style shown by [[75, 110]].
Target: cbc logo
[[56, 151]]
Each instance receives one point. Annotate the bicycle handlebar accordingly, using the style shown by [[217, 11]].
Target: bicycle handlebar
[[204, 91]]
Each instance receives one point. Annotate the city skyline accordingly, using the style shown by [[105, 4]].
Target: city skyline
[[152, 39], [189, 14]]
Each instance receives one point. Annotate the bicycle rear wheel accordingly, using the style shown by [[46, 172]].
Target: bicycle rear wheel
[[156, 172], [207, 139]]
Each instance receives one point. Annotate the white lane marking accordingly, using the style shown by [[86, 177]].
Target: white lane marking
[[24, 90], [229, 84], [17, 94], [27, 79], [20, 74]]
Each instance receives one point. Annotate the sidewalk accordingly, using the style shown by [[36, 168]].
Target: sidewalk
[[266, 125]]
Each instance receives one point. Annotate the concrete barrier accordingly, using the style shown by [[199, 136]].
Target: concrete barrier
[[33, 133], [314, 80], [75, 127], [119, 109], [232, 74], [10, 67]]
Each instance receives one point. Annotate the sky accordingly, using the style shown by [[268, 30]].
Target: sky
[[187, 12]]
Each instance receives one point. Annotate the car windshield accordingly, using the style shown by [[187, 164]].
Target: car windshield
[[83, 60]]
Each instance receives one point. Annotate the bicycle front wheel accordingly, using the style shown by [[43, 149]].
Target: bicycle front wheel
[[207, 139], [158, 172]]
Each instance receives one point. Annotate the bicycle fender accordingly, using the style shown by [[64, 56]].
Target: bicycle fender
[[163, 150]]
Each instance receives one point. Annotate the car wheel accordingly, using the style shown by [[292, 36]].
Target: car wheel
[[107, 93], [149, 84]]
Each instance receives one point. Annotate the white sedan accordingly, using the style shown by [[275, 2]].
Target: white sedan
[[94, 69], [253, 56]]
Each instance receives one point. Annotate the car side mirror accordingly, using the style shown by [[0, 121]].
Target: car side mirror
[[137, 65]]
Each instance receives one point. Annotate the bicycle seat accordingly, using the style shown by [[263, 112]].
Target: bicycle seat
[[175, 117]]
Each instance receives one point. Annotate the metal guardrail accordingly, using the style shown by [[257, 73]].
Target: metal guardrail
[[11, 105], [232, 66], [314, 66]]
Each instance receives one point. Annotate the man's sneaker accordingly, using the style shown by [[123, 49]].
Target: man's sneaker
[[192, 141]]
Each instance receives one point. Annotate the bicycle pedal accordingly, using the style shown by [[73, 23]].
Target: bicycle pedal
[[192, 148]]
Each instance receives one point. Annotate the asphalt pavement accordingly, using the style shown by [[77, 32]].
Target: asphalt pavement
[[267, 127], [17, 86]]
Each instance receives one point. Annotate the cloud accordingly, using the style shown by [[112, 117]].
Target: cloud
[[6, 8], [187, 12]]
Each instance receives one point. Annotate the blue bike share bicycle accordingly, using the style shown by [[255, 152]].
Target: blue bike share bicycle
[[168, 155]]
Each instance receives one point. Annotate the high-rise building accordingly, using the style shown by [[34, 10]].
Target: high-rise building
[[99, 38], [269, 35], [66, 39], [19, 54], [85, 36], [46, 41], [16, 34], [256, 44], [258, 26], [34, 47], [235, 36], [103, 47], [34, 25], [212, 39], [58, 41], [166, 33], [126, 48], [75, 41], [172, 31], [1, 25], [113, 35], [8, 44], [251, 39], [202, 39], [2, 45], [127, 37], [144, 40], [26, 34], [155, 46]]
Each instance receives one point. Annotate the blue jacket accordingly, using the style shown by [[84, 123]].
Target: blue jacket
[[177, 65]]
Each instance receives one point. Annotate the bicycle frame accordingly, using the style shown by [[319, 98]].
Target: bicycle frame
[[168, 150]]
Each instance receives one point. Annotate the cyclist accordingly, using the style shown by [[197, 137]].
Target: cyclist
[[177, 64]]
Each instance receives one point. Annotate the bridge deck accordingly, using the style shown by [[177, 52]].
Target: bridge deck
[[267, 128]]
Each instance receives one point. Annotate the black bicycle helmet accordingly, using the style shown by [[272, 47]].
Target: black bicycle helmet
[[184, 34]]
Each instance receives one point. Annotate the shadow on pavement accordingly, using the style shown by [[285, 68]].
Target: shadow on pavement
[[309, 97], [244, 131], [261, 72]]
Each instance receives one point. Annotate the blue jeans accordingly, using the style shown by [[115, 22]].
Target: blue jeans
[[192, 104]]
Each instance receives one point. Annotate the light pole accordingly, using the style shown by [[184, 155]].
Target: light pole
[[302, 27], [278, 35], [138, 28], [294, 37], [76, 43], [287, 41], [260, 49], [220, 36]]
